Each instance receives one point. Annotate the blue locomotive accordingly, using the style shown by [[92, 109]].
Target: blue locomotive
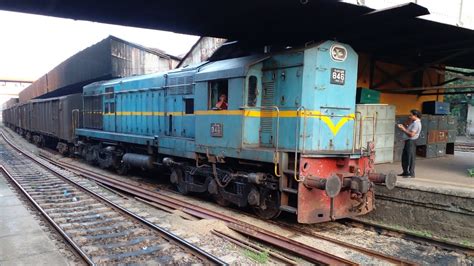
[[276, 132]]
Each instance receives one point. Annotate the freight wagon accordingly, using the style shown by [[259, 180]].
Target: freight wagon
[[49, 121]]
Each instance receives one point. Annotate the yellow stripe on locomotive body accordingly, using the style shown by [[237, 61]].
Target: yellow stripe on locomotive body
[[334, 128]]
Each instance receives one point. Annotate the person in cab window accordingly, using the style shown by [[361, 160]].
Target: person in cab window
[[222, 103], [411, 134]]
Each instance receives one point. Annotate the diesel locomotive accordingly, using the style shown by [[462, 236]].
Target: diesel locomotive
[[275, 132]]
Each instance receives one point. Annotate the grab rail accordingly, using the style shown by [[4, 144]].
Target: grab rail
[[374, 127], [297, 139]]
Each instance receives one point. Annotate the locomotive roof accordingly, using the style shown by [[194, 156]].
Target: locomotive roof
[[229, 68], [126, 79], [52, 98]]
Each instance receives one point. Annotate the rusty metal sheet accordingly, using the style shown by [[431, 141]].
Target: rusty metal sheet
[[109, 58]]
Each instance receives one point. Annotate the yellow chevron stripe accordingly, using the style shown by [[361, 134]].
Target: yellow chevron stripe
[[334, 128]]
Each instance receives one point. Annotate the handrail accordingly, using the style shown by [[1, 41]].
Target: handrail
[[348, 116], [297, 139], [374, 127], [354, 135]]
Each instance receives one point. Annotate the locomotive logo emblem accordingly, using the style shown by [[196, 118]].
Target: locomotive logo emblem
[[338, 53]]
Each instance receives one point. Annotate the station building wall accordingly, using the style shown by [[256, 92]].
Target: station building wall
[[403, 102]]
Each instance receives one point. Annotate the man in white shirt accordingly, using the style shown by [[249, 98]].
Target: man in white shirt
[[412, 132]]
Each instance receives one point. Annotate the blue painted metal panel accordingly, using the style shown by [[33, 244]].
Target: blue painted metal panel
[[231, 124], [333, 103], [154, 105]]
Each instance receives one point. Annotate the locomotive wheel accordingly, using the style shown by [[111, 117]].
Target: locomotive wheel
[[220, 200], [269, 207], [177, 178], [122, 169]]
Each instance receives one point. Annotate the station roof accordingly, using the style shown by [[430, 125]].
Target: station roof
[[393, 34]]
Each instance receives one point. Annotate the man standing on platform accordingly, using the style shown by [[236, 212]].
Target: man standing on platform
[[412, 132]]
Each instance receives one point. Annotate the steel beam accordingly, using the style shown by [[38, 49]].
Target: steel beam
[[427, 88], [448, 93], [423, 67]]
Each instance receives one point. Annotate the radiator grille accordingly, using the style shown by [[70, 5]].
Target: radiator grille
[[266, 121], [180, 85]]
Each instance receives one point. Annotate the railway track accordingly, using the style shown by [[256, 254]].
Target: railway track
[[159, 200], [465, 147], [100, 231], [388, 231]]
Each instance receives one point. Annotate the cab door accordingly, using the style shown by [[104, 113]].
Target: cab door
[[252, 102]]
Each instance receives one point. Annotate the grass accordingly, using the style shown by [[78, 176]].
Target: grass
[[428, 234], [260, 257], [467, 243]]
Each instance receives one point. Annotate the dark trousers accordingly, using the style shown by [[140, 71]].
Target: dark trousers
[[408, 157]]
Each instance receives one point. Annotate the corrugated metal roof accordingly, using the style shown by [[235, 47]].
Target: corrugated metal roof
[[395, 33], [110, 58]]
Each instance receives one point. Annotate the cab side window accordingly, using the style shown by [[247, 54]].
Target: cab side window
[[218, 93], [252, 91], [188, 106]]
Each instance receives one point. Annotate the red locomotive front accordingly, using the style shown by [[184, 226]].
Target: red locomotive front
[[335, 188]]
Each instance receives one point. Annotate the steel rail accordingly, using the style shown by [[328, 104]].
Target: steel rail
[[203, 213], [310, 253], [303, 250], [71, 242], [360, 249], [290, 227], [196, 250], [253, 247], [386, 230], [157, 199]]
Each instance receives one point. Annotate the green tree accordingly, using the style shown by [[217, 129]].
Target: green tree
[[459, 102]]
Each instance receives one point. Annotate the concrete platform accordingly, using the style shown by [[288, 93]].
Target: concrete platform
[[22, 241], [449, 170], [438, 202]]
